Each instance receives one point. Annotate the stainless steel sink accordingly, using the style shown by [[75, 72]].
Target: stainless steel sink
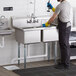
[[6, 32]]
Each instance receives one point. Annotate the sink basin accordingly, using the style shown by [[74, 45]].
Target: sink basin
[[22, 22], [6, 32]]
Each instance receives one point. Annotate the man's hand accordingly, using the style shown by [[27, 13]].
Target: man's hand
[[49, 5], [46, 24]]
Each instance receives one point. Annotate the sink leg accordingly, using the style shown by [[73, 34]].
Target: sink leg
[[18, 53], [24, 56], [48, 51], [55, 53]]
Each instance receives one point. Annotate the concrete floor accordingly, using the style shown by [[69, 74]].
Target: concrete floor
[[4, 72]]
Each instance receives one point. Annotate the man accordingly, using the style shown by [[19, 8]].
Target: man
[[63, 11]]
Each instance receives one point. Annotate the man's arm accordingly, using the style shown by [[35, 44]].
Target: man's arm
[[52, 18]]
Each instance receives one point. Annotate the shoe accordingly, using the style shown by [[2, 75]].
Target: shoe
[[62, 66], [59, 66], [67, 67]]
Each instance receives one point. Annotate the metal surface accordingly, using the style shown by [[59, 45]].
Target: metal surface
[[34, 36], [26, 22], [26, 37], [2, 42], [24, 57], [50, 35], [5, 32], [55, 52], [47, 45], [48, 51], [18, 53], [3, 22], [3, 29], [72, 38]]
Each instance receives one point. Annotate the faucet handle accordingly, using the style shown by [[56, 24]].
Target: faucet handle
[[35, 21], [29, 21]]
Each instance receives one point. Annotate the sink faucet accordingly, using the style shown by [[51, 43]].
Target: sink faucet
[[32, 20]]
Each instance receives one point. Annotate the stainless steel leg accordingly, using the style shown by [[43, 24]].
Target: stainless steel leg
[[18, 53], [44, 49], [24, 57], [48, 51], [55, 54]]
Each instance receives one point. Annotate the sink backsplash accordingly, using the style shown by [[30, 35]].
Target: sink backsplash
[[28, 22]]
